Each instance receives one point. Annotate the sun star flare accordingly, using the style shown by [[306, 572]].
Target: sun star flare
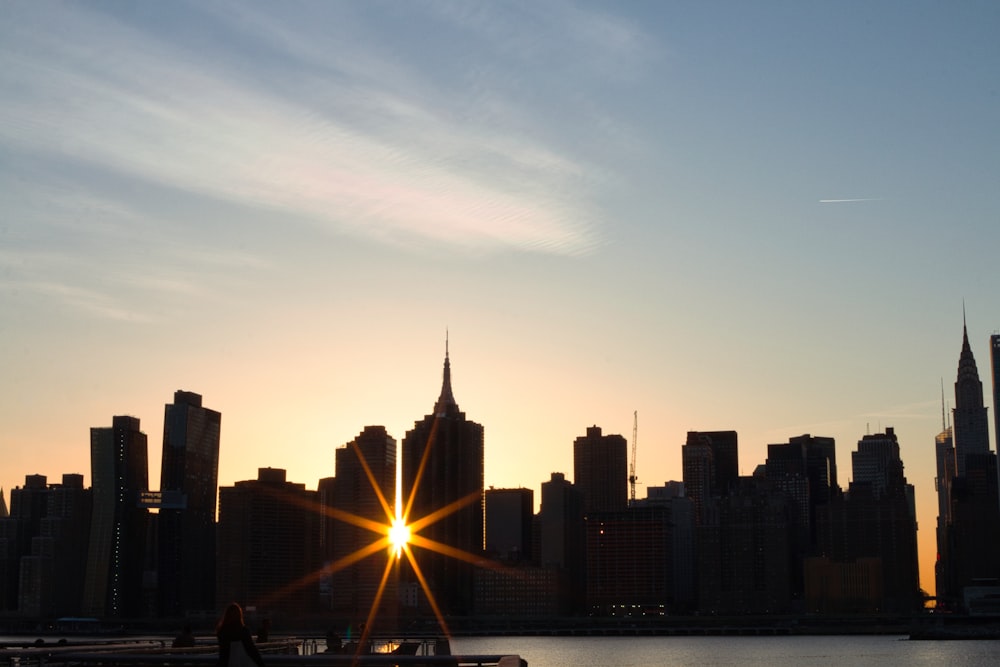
[[399, 536]]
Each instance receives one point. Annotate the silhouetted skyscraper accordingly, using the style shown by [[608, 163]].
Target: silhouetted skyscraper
[[189, 479], [877, 462], [116, 558], [995, 364], [509, 514], [327, 526], [811, 457], [600, 470], [971, 430], [725, 457], [52, 574], [27, 509], [710, 462], [563, 539], [805, 469], [969, 531], [875, 519], [698, 462], [744, 558], [944, 451], [268, 544], [355, 587], [443, 468]]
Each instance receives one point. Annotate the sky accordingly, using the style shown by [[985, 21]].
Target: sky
[[762, 217]]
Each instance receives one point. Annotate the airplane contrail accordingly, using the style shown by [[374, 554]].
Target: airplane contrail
[[841, 201]]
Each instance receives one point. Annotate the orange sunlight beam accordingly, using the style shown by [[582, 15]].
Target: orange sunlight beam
[[389, 514], [442, 512], [441, 548], [427, 589], [420, 472], [373, 612], [313, 577]]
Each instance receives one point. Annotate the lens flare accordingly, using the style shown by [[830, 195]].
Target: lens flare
[[399, 536], [396, 537]]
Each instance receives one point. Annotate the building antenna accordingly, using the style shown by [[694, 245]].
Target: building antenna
[[631, 475], [944, 426]]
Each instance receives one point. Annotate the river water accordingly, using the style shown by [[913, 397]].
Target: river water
[[847, 651]]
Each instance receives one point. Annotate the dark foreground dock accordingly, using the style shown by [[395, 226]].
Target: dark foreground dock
[[286, 653]]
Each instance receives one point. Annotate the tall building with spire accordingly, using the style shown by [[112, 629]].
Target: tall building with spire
[[971, 427], [970, 551], [443, 472], [944, 452]]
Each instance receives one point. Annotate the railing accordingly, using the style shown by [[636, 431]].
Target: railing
[[380, 660], [286, 653]]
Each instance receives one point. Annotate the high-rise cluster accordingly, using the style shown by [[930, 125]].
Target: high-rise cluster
[[118, 549], [786, 538], [968, 528]]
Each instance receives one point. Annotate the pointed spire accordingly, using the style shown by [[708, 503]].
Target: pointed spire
[[944, 422], [966, 361], [446, 400], [965, 328]]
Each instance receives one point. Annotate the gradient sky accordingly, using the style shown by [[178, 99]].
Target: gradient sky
[[752, 216]]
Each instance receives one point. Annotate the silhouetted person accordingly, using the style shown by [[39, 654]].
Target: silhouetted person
[[184, 639], [236, 647], [332, 642]]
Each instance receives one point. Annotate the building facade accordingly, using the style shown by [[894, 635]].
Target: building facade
[[745, 558], [631, 560], [189, 480], [268, 543], [874, 522], [52, 574], [563, 541], [600, 470], [366, 478], [509, 514], [710, 464], [116, 557]]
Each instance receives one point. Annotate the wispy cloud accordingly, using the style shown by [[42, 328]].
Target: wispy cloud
[[845, 201], [89, 301], [401, 169]]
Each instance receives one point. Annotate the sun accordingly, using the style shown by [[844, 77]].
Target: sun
[[396, 537], [399, 536]]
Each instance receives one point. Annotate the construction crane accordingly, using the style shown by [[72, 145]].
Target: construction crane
[[631, 471]]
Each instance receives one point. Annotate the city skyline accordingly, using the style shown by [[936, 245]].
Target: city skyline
[[447, 398], [762, 219]]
